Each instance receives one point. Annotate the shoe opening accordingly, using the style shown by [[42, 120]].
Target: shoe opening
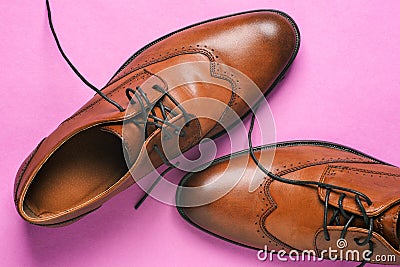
[[83, 167]]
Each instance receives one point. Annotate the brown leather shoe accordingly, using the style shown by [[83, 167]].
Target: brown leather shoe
[[81, 164], [318, 196]]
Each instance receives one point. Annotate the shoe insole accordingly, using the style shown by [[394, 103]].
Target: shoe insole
[[82, 168]]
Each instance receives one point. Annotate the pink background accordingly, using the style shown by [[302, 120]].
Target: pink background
[[343, 87]]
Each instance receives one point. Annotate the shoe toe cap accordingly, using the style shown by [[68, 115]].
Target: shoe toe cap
[[230, 216], [260, 45]]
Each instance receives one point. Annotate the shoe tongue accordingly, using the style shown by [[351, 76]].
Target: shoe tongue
[[132, 133], [387, 225]]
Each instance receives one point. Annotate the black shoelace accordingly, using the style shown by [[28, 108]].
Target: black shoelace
[[336, 211], [147, 109], [152, 119]]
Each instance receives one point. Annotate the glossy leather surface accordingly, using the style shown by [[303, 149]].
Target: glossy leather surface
[[285, 216], [81, 164]]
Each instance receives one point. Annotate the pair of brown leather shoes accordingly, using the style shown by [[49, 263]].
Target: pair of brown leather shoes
[[151, 111]]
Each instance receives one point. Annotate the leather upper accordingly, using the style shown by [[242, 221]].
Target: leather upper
[[70, 168], [286, 216]]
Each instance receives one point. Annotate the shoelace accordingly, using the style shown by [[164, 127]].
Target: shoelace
[[149, 116], [329, 188], [160, 175], [129, 91], [152, 119]]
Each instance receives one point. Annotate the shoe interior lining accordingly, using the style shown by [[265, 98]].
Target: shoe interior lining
[[82, 168]]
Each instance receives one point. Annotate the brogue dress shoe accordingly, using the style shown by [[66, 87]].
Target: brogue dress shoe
[[90, 156], [315, 196]]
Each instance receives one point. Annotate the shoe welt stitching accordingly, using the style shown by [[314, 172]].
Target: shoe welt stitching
[[157, 60], [169, 55], [366, 171], [336, 160]]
